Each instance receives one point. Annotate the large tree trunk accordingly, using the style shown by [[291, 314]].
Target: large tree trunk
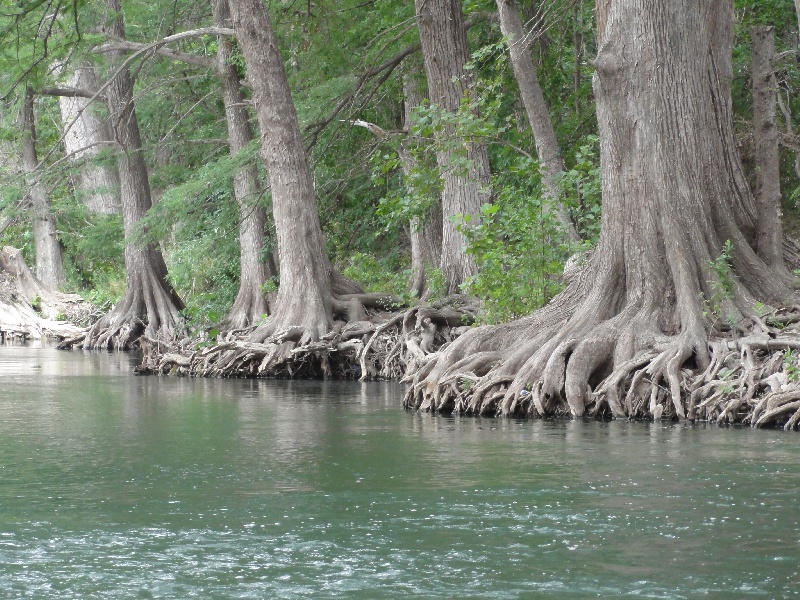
[[552, 166], [426, 232], [150, 305], [769, 229], [250, 303], [89, 134], [305, 301], [445, 52], [635, 329], [49, 258]]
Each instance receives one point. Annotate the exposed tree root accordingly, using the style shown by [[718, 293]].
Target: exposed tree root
[[150, 307], [28, 309], [752, 379], [379, 346]]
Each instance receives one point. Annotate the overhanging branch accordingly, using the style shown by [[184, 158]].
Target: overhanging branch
[[128, 46], [67, 92], [382, 71]]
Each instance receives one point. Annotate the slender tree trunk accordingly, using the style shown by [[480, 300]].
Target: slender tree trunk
[[49, 259], [577, 42], [445, 52], [87, 136], [632, 332], [797, 10], [538, 115], [150, 304], [304, 298], [250, 303], [426, 233], [769, 229]]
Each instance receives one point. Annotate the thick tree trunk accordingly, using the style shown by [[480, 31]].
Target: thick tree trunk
[[769, 229], [250, 303], [87, 136], [633, 331], [150, 305], [445, 52], [547, 146], [304, 297], [49, 258], [426, 233]]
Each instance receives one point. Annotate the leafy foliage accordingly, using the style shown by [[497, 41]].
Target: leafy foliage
[[366, 202], [513, 245]]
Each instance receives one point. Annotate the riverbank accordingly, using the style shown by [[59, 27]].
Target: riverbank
[[29, 310], [753, 376]]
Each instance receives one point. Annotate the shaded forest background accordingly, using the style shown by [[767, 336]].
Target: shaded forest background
[[349, 65]]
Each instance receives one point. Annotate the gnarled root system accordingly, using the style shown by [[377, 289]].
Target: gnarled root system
[[743, 375], [378, 346]]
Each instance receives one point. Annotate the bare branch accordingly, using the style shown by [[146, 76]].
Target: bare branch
[[382, 71], [375, 130], [147, 48], [386, 68], [781, 55], [67, 92], [185, 57]]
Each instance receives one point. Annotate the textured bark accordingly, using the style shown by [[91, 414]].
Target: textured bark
[[577, 44], [87, 136], [633, 321], [445, 53], [304, 297], [426, 233], [769, 229], [544, 135], [150, 305], [250, 303], [797, 10], [49, 258]]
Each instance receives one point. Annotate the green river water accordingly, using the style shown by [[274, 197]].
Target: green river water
[[118, 486]]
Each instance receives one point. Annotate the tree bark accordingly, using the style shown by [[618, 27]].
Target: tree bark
[[769, 229], [577, 43], [547, 148], [445, 52], [304, 297], [637, 319], [88, 135], [49, 258], [150, 305], [797, 10], [250, 303], [426, 232]]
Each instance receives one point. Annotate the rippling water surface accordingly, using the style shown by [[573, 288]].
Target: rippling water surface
[[117, 486]]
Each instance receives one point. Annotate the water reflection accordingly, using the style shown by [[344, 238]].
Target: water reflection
[[112, 484]]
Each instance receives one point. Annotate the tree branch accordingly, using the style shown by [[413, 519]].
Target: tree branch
[[67, 92], [185, 57], [790, 141], [384, 70], [314, 129], [152, 47]]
